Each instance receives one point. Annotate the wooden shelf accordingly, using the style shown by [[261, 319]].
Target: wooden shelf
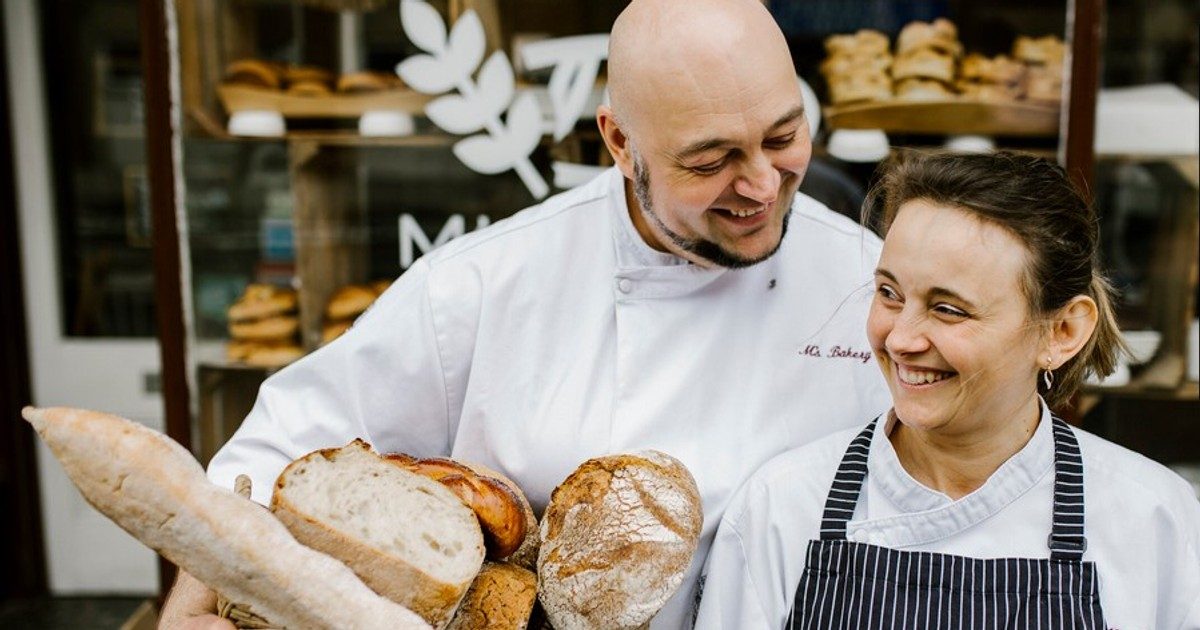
[[955, 116], [236, 98]]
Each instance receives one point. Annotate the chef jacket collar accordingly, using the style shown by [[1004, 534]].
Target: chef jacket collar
[[929, 515], [642, 271]]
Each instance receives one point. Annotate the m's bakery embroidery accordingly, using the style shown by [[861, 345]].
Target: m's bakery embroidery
[[835, 352]]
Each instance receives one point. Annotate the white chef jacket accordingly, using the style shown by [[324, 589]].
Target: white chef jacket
[[1141, 522], [558, 335]]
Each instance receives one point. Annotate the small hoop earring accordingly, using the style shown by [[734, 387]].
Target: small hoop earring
[[1048, 377]]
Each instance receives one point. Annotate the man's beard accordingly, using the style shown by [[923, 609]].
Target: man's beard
[[704, 249]]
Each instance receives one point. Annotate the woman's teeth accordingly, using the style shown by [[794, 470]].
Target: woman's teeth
[[921, 377], [745, 213]]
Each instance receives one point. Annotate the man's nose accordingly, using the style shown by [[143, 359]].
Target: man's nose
[[759, 180]]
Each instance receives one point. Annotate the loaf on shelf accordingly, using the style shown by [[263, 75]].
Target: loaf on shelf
[[263, 327]]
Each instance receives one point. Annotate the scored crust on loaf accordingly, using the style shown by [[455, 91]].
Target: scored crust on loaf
[[408, 537], [617, 538]]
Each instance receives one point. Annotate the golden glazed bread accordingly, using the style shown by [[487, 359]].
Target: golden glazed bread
[[924, 64], [495, 503], [1045, 51], [866, 43], [838, 65], [254, 73], [262, 300], [350, 301], [860, 86], [154, 489], [617, 538], [998, 69], [408, 537], [269, 329], [940, 35], [500, 598], [922, 90], [368, 81]]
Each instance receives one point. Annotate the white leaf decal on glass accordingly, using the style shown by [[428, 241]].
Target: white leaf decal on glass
[[455, 114], [495, 85], [425, 74], [424, 26], [483, 154], [524, 125], [467, 43]]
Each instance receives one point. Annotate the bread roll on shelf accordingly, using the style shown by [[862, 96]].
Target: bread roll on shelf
[[925, 63], [940, 35]]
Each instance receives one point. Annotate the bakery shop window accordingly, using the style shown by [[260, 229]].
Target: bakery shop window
[[93, 89]]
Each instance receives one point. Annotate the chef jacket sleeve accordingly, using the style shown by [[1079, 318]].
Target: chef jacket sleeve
[[1184, 578], [381, 381], [729, 596]]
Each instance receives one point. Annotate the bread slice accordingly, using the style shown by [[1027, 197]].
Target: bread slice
[[501, 598], [155, 490], [408, 537], [617, 538]]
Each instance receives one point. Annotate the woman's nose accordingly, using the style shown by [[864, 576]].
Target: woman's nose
[[907, 335]]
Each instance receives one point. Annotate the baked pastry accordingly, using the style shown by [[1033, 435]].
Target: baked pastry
[[860, 86], [940, 35], [254, 73], [408, 537], [273, 356], [368, 81], [1044, 84], [350, 301], [494, 503], [309, 88], [865, 42], [1046, 51], [838, 65], [154, 489], [269, 329], [262, 300], [988, 92], [379, 286], [998, 69], [617, 538], [333, 330], [925, 63], [301, 74], [922, 90], [500, 598]]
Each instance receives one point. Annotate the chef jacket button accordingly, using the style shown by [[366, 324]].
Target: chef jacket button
[[624, 285]]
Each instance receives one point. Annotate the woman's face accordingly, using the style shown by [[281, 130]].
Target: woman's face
[[950, 323]]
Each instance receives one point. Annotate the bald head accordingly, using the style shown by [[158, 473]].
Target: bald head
[[663, 51]]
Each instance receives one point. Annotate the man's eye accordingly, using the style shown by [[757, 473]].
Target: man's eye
[[709, 169], [780, 142]]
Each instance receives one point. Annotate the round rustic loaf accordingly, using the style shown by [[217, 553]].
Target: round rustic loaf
[[617, 538]]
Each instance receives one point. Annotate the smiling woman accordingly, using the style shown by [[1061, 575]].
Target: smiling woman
[[969, 502]]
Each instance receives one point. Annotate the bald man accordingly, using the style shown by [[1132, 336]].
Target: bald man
[[689, 300]]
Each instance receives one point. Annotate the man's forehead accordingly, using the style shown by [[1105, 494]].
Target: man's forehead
[[684, 135]]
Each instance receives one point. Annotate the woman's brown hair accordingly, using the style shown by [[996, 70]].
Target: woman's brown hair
[[1035, 200]]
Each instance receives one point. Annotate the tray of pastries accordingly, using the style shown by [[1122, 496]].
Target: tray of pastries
[[926, 84], [312, 92]]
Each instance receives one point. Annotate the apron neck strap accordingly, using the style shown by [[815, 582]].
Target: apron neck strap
[[843, 496], [1066, 540]]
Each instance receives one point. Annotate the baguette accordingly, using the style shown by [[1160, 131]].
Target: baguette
[[408, 537], [154, 489], [617, 538]]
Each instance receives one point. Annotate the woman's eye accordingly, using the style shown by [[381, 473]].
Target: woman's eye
[[946, 309], [887, 293]]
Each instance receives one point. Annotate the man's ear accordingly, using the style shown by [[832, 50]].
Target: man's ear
[[1070, 329], [615, 139]]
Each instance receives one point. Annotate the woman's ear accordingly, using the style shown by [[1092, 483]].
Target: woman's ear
[[1070, 329], [615, 140]]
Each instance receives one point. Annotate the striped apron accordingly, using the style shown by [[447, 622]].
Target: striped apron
[[857, 585]]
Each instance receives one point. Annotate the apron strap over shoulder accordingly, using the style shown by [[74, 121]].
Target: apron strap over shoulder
[[847, 484], [1066, 540]]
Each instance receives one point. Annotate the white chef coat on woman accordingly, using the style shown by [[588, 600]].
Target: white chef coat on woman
[[1141, 523], [558, 335]]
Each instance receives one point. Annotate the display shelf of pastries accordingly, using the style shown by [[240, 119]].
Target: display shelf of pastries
[[926, 85], [308, 92]]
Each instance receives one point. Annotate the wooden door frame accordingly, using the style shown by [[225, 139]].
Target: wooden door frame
[[22, 553]]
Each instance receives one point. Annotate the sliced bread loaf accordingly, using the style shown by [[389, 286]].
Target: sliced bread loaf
[[408, 537]]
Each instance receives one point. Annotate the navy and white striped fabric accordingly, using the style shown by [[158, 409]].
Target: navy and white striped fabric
[[857, 585]]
